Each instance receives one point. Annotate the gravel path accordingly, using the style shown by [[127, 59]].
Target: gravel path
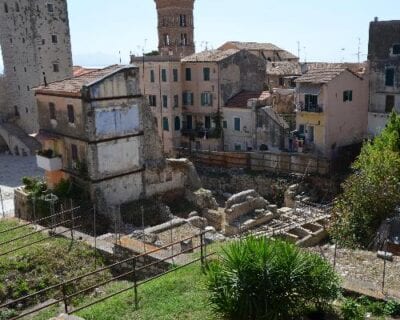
[[12, 170], [364, 268]]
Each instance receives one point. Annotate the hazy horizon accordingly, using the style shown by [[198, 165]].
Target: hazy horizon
[[104, 33]]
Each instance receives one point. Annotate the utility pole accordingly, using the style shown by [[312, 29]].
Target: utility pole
[[298, 49]]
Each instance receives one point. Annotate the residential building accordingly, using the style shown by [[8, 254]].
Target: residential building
[[251, 125], [332, 110], [281, 74], [384, 63], [161, 83], [267, 51], [211, 78], [175, 27], [97, 131], [36, 48]]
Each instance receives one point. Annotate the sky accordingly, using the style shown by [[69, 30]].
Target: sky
[[105, 32]]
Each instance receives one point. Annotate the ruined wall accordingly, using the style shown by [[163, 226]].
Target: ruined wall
[[241, 71], [34, 37]]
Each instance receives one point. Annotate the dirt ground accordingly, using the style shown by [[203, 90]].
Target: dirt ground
[[364, 269]]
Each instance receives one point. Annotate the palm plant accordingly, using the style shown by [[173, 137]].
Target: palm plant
[[259, 278]]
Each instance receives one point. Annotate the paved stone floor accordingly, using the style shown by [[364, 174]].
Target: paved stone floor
[[12, 170]]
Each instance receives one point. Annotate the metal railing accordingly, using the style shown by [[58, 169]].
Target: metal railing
[[65, 297]]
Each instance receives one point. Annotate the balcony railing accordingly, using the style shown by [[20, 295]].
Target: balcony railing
[[202, 133], [309, 107]]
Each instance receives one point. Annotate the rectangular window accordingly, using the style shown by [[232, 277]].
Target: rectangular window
[[225, 124], [281, 82], [74, 152], [164, 75], [165, 101], [301, 128], [237, 124], [206, 74], [17, 7], [189, 122], [311, 101], [238, 147], [50, 7], [188, 73], [152, 101], [152, 76], [175, 75], [182, 20], [184, 40], [389, 104], [56, 67], [5, 8], [188, 98], [52, 111], [389, 77], [165, 124], [347, 95], [176, 101], [54, 38], [396, 49], [16, 111], [206, 99], [71, 113]]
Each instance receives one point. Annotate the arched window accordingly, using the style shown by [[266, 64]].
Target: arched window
[[165, 124], [177, 123]]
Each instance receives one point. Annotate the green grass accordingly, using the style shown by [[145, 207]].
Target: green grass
[[180, 295], [41, 265]]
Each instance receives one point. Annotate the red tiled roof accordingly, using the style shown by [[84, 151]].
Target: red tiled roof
[[240, 100], [72, 86], [80, 71]]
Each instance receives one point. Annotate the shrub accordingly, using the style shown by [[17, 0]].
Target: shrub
[[259, 278], [372, 193], [352, 310]]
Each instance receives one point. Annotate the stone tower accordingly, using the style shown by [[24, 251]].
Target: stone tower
[[175, 27], [36, 47]]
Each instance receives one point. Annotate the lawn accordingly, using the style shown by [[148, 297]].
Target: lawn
[[41, 265]]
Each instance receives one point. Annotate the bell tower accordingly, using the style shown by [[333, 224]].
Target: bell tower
[[175, 27]]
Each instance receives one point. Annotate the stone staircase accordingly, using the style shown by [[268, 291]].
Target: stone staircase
[[18, 141]]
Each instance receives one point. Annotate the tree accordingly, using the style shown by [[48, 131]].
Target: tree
[[260, 278], [371, 194]]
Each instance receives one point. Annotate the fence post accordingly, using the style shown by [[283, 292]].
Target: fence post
[[64, 294], [334, 257], [72, 221], [135, 283], [202, 249], [384, 266], [2, 204], [95, 236]]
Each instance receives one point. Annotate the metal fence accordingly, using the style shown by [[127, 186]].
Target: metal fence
[[65, 291]]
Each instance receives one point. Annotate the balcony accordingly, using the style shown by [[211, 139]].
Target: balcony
[[302, 107], [48, 161], [201, 133]]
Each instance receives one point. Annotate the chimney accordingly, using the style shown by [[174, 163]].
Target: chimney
[[376, 19], [44, 79]]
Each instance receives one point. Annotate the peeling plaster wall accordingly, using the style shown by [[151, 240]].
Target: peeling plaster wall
[[29, 50]]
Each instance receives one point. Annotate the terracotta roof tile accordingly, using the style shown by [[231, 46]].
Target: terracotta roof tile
[[240, 100], [210, 55], [283, 68], [320, 75], [74, 85]]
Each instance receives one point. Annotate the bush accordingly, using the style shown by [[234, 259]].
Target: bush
[[352, 310], [372, 193], [259, 278]]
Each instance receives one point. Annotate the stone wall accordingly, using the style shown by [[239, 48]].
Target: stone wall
[[272, 187], [33, 37]]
